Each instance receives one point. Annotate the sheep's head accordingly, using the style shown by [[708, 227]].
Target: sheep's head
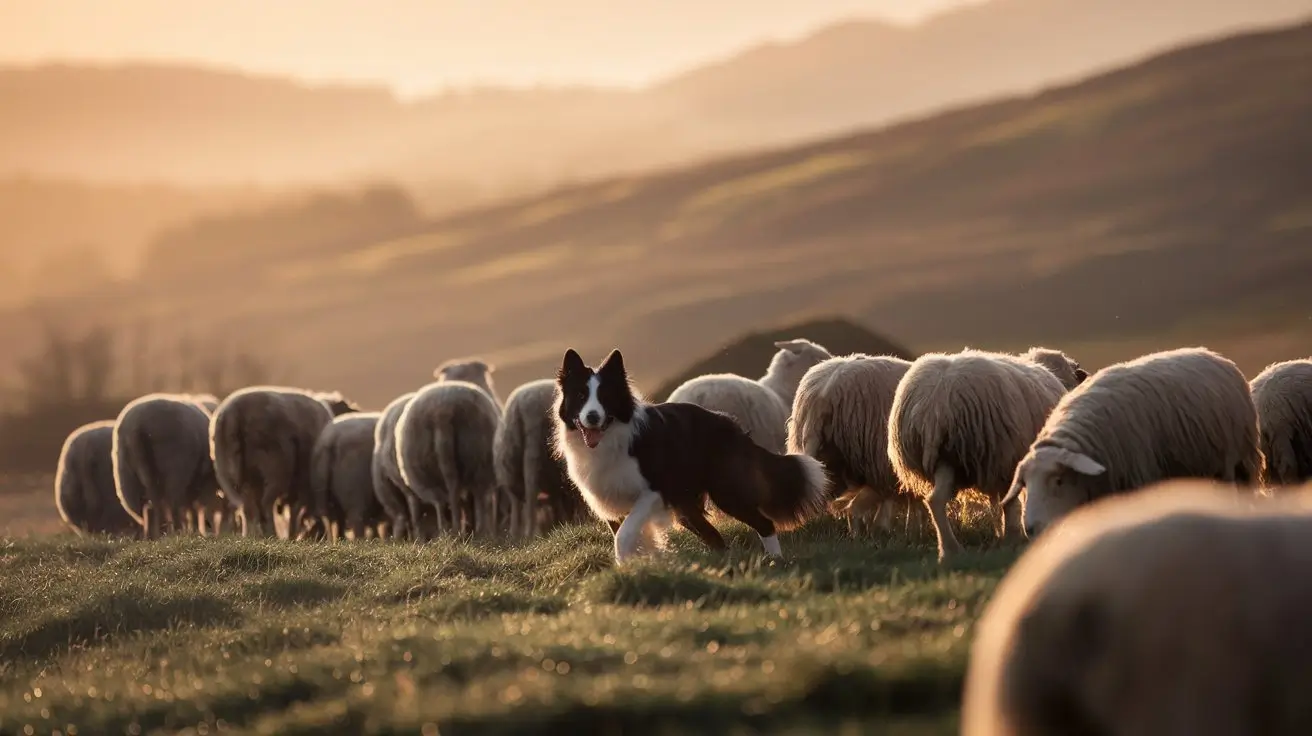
[[1066, 369], [794, 359], [336, 403], [1056, 481], [475, 371]]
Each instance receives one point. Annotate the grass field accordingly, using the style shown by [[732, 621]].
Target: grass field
[[253, 636]]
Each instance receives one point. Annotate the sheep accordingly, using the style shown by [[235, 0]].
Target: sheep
[[261, 438], [444, 440], [409, 516], [341, 480], [469, 370], [85, 494], [963, 421], [840, 417], [1175, 610], [525, 462], [760, 407], [163, 474], [1282, 394], [1174, 414], [1066, 369]]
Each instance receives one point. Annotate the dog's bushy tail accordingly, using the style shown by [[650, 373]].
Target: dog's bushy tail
[[796, 489]]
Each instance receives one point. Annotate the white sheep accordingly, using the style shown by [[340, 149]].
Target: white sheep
[[1282, 394], [1183, 413], [85, 495], [760, 407], [963, 421], [261, 438], [163, 473], [1175, 610], [444, 440], [410, 516], [341, 481], [840, 417], [1065, 368], [525, 460]]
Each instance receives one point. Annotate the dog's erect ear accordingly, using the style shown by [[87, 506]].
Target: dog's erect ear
[[573, 363], [613, 364]]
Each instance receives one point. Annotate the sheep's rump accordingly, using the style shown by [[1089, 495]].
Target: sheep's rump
[[444, 441], [261, 439], [161, 454], [840, 417], [975, 412], [389, 486], [85, 494], [341, 477], [757, 409], [1282, 394], [1176, 610], [526, 464], [1173, 414]]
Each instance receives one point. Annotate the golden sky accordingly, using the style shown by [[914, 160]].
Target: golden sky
[[418, 46]]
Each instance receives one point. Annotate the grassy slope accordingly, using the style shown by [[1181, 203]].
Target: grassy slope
[[1169, 202], [272, 637]]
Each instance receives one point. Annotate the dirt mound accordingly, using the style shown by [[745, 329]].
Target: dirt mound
[[750, 354]]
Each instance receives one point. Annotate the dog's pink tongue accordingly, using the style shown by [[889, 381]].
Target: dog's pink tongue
[[591, 437]]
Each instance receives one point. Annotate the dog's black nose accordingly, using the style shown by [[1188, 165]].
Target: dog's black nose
[[592, 417]]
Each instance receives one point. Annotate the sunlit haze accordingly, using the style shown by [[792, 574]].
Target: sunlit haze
[[419, 46]]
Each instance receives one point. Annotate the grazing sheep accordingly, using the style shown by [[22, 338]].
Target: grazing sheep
[[410, 517], [1064, 368], [444, 440], [163, 474], [759, 410], [1283, 396], [840, 417], [1176, 611], [526, 464], [1183, 413], [963, 421], [341, 481], [85, 495], [261, 438]]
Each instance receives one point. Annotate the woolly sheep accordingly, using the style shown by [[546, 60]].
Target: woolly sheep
[[469, 370], [760, 406], [1282, 394], [341, 481], [261, 438], [1176, 610], [444, 440], [1067, 370], [525, 461], [963, 421], [840, 417], [410, 517], [163, 474], [1174, 414], [84, 483]]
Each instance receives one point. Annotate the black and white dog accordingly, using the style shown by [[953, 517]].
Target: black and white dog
[[650, 464]]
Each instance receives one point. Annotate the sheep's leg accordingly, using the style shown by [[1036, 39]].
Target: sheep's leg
[[945, 489], [147, 520], [417, 529]]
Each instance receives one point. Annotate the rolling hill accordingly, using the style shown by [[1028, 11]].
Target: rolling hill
[[1165, 203]]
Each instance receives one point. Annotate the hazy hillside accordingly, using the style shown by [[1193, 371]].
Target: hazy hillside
[[1166, 203], [193, 125]]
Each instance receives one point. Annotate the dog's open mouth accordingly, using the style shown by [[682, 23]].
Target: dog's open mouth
[[592, 435]]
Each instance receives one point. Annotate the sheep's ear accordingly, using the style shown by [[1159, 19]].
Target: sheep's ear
[[573, 363], [614, 363], [487, 367], [792, 346], [1017, 483], [1083, 464], [1081, 374]]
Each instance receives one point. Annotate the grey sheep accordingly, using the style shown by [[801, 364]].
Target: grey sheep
[[760, 407], [341, 480], [1176, 611], [525, 462], [1183, 413], [963, 421], [840, 417], [1282, 394], [163, 474], [444, 443], [261, 438], [410, 517], [85, 495], [1066, 369]]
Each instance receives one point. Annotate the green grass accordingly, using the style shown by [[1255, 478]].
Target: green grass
[[256, 636]]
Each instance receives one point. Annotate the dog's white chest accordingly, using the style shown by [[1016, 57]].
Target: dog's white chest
[[607, 475]]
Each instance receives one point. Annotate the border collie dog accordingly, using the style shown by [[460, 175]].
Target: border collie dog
[[641, 466]]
